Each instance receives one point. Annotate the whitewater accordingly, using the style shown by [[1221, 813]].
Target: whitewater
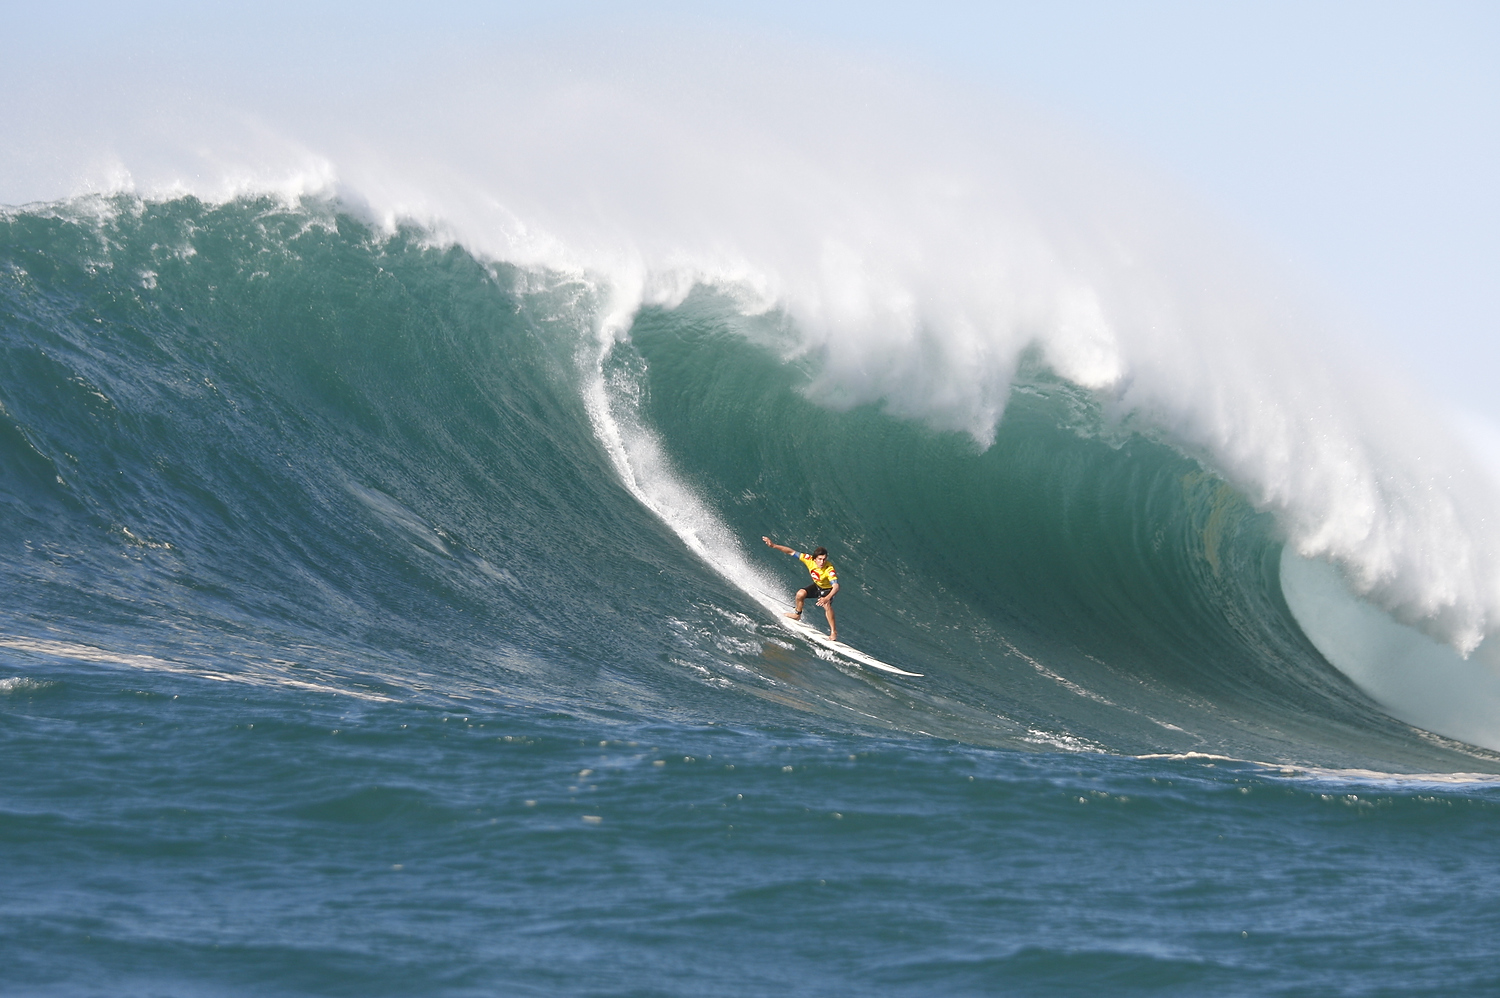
[[385, 611]]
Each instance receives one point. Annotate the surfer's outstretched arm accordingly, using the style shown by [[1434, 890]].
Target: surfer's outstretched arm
[[780, 547]]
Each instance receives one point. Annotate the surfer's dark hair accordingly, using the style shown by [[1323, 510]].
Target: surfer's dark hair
[[822, 551]]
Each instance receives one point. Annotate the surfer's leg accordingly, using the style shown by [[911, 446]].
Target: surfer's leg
[[833, 628], [797, 614]]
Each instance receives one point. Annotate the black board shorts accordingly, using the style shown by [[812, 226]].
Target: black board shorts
[[814, 593]]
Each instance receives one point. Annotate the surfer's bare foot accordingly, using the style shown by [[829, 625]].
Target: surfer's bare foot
[[833, 635], [794, 616]]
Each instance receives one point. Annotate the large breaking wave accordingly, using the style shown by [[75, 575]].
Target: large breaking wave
[[1067, 440]]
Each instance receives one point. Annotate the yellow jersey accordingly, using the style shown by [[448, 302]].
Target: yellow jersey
[[824, 577]]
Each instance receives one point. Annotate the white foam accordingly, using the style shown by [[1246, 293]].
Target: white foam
[[1398, 781], [643, 467], [21, 684], [260, 674]]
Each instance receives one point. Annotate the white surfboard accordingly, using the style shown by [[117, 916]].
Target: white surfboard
[[809, 633]]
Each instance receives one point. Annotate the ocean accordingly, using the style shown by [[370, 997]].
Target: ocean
[[372, 626]]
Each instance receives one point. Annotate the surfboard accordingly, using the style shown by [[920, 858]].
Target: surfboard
[[809, 633]]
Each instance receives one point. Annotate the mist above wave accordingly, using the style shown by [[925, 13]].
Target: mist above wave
[[918, 240]]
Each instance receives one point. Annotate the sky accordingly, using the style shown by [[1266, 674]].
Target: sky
[[1355, 143]]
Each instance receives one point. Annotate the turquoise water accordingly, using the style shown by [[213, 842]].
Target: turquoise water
[[336, 657]]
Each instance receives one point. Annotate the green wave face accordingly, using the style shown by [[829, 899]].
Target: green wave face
[[268, 440], [1077, 576]]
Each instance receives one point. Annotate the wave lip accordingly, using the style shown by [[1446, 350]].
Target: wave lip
[[1417, 679]]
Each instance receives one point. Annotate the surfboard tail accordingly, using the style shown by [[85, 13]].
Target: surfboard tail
[[816, 637]]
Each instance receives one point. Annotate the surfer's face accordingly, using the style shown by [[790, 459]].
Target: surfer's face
[[820, 559]]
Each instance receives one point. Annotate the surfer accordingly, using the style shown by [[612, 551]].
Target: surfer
[[823, 587]]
